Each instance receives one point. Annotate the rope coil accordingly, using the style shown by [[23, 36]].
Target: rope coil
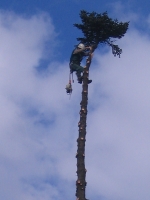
[[69, 85]]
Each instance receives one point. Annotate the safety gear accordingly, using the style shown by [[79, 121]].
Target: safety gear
[[69, 85], [69, 88], [81, 46]]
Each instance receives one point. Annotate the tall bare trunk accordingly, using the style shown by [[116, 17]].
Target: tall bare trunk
[[81, 171]]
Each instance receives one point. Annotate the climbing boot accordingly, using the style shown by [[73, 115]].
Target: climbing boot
[[89, 81], [80, 79]]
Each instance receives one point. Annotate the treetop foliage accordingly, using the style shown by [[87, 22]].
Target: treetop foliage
[[99, 28]]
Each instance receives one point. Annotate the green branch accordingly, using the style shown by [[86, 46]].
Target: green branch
[[99, 28]]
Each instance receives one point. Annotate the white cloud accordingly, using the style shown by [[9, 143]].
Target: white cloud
[[27, 102], [118, 143]]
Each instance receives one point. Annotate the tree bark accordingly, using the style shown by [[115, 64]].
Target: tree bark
[[81, 171]]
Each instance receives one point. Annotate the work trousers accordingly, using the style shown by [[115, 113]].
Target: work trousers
[[76, 68]]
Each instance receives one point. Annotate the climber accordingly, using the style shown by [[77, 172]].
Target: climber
[[76, 57]]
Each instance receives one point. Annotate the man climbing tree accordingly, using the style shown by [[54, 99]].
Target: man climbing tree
[[97, 29], [75, 60]]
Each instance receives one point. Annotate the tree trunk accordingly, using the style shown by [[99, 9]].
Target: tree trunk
[[81, 171]]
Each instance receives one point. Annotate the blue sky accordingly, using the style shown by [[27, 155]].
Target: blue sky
[[65, 13], [38, 121]]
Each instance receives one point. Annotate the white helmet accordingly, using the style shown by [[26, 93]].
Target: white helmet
[[81, 46]]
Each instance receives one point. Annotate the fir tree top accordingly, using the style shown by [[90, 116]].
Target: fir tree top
[[99, 28]]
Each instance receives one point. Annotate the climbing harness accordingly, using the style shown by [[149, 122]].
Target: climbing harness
[[69, 85]]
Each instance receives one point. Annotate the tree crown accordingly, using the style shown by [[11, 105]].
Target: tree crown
[[99, 28]]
